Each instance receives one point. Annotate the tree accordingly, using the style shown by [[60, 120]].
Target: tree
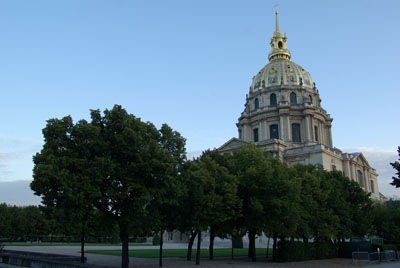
[[5, 221], [282, 206], [396, 166], [63, 173], [115, 163], [135, 160], [167, 199], [251, 167], [226, 203]]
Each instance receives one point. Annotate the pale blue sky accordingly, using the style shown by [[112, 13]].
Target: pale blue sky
[[190, 64]]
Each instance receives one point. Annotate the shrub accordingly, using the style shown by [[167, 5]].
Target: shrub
[[237, 242], [156, 240], [384, 247], [324, 250], [293, 251], [298, 251]]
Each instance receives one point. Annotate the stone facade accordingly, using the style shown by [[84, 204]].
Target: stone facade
[[283, 115]]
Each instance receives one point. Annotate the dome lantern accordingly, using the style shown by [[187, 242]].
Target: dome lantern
[[278, 44]]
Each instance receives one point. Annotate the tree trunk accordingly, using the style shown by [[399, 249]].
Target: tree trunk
[[274, 247], [123, 233], [211, 247], [161, 245], [190, 245], [252, 245], [83, 243], [232, 246], [268, 246], [198, 247]]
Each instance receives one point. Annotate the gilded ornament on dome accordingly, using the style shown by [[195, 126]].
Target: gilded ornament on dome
[[272, 75]]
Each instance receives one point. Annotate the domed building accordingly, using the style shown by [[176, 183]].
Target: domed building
[[283, 115]]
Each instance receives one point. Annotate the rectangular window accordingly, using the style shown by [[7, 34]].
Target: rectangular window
[[273, 132], [255, 134], [296, 133], [316, 133]]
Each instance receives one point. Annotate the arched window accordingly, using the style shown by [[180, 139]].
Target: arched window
[[309, 99], [293, 98], [280, 45], [255, 134], [256, 104], [360, 178], [272, 99], [296, 133], [274, 132]]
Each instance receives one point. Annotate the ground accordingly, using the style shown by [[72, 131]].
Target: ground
[[242, 262]]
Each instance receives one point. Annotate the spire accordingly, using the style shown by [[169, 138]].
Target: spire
[[278, 44], [277, 23]]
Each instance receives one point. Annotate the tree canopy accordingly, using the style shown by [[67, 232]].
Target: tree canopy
[[396, 166]]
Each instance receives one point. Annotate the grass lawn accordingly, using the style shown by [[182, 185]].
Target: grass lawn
[[68, 244], [154, 253]]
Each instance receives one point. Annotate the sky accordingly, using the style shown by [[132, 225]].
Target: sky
[[190, 64]]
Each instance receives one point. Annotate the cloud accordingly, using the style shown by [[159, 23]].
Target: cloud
[[380, 159], [18, 193], [19, 140], [5, 158]]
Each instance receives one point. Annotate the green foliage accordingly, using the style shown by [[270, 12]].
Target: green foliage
[[324, 249], [385, 247], [289, 251], [124, 167], [396, 166], [293, 251], [386, 218]]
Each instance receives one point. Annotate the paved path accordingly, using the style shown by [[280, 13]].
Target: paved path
[[242, 262]]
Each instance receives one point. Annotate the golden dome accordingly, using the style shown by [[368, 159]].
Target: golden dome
[[281, 71]]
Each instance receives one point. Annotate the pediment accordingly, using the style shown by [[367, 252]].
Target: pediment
[[360, 158], [231, 145]]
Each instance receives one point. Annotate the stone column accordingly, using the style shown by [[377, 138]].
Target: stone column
[[307, 129], [353, 171], [281, 128], [366, 180], [321, 133], [261, 130], [284, 128], [312, 128], [288, 128], [330, 135]]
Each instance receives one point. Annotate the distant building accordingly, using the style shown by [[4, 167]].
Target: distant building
[[283, 115]]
